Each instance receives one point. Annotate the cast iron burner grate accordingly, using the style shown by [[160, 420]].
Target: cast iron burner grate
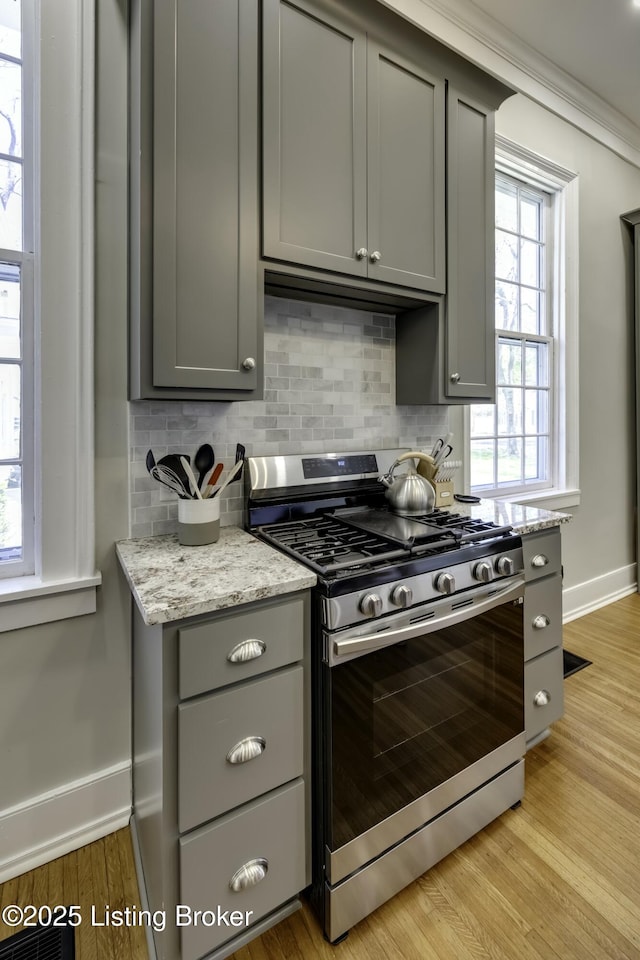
[[40, 943]]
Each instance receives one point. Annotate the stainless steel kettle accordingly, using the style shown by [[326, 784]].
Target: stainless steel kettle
[[410, 494]]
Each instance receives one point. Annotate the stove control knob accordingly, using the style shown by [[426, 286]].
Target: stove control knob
[[371, 605], [505, 566], [402, 595], [482, 571], [445, 583]]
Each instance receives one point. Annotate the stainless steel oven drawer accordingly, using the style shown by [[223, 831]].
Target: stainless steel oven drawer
[[250, 861], [541, 553], [239, 743], [542, 616], [543, 692], [240, 644]]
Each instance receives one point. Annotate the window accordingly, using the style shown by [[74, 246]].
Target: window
[[522, 445], [16, 295], [47, 65]]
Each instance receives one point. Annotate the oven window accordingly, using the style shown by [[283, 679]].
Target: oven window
[[409, 717]]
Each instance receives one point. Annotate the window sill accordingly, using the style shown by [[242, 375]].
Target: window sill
[[28, 601], [545, 499]]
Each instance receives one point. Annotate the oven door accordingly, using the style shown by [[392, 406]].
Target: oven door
[[417, 715]]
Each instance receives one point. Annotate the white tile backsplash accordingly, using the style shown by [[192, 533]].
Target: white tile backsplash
[[329, 386]]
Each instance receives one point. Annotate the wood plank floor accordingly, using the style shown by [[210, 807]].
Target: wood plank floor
[[98, 874], [557, 878]]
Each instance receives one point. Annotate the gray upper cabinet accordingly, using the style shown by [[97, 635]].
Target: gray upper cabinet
[[197, 307], [353, 150], [470, 343]]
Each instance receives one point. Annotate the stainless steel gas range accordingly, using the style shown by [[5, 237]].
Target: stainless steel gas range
[[418, 672]]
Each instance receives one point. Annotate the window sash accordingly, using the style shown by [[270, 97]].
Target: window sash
[[546, 439], [25, 260]]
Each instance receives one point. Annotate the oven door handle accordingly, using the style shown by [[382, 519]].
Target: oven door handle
[[346, 649]]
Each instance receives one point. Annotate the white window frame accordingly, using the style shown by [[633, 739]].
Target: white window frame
[[563, 184], [65, 579]]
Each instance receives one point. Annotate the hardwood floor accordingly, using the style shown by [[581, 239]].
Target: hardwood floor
[[556, 878], [98, 874]]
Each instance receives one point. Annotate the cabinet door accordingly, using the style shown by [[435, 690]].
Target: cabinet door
[[206, 307], [470, 345], [406, 172], [314, 139]]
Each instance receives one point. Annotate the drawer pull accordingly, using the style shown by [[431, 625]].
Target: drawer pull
[[247, 749], [247, 650], [541, 621], [542, 698], [249, 874], [539, 560]]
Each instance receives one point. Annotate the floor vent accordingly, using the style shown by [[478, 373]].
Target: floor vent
[[572, 663], [40, 943]]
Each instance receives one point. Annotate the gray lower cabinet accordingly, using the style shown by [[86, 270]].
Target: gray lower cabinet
[[353, 149], [196, 291], [221, 734], [543, 669]]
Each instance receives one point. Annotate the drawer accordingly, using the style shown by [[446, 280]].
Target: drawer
[[541, 553], [240, 644], [542, 616], [263, 721], [543, 692], [271, 831]]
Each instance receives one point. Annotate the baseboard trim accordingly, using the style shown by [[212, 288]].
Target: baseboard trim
[[599, 592], [55, 823]]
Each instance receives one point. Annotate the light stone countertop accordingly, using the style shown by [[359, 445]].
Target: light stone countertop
[[523, 519], [172, 582]]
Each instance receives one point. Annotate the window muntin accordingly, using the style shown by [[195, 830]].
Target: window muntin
[[511, 440]]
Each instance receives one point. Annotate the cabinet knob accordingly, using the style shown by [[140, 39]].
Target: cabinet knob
[[542, 698], [541, 621], [248, 364], [249, 874], [361, 253], [247, 749], [455, 377], [246, 650], [375, 256], [539, 560]]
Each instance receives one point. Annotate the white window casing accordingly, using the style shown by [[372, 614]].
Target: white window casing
[[65, 579], [563, 184]]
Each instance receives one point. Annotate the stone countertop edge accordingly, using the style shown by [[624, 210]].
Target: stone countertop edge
[[173, 582], [523, 518]]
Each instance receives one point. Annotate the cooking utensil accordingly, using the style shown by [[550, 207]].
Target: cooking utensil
[[240, 454], [235, 469], [445, 450], [193, 486], [203, 462], [440, 443], [213, 479], [172, 462], [411, 494], [167, 477], [150, 461]]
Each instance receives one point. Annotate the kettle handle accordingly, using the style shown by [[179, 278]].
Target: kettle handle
[[417, 455], [429, 470]]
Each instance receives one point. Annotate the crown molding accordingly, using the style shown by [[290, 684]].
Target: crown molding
[[481, 39]]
